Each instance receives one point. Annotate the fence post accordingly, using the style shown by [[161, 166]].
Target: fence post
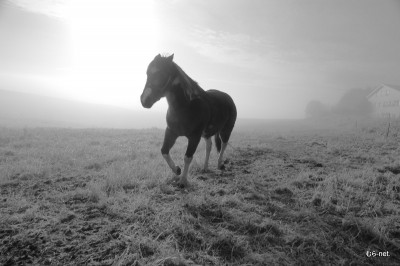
[[388, 128]]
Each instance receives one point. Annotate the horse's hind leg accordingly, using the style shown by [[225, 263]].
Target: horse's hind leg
[[169, 141], [221, 146], [208, 150], [221, 155], [224, 137]]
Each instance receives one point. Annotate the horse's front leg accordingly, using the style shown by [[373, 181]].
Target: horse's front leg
[[191, 148], [169, 141]]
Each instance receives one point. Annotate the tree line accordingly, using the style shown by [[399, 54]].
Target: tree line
[[353, 102]]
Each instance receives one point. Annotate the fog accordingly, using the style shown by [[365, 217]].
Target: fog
[[31, 110], [273, 57]]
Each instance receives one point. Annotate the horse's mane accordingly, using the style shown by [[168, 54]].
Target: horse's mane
[[190, 87]]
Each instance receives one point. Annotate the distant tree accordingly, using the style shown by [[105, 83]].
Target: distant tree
[[354, 102], [316, 109]]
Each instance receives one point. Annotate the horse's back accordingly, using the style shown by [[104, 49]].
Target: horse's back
[[221, 98]]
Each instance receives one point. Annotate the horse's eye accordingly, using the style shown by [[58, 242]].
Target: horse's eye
[[154, 75], [153, 79]]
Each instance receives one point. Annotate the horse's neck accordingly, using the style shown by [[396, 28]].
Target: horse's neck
[[176, 98]]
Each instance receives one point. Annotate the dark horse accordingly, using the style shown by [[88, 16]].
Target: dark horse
[[192, 112]]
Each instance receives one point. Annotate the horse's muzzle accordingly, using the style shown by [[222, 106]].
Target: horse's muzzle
[[146, 104], [145, 98]]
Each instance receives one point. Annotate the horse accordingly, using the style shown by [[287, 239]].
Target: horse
[[192, 112]]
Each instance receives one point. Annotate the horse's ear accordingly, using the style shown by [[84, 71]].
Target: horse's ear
[[171, 57], [157, 56]]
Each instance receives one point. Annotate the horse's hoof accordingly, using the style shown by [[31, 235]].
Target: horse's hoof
[[179, 183], [183, 184], [178, 170], [205, 171], [173, 180]]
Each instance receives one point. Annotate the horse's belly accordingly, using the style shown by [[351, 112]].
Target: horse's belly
[[183, 127], [209, 131]]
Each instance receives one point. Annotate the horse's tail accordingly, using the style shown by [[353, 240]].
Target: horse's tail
[[217, 139]]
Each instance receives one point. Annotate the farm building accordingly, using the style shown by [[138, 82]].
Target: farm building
[[386, 101]]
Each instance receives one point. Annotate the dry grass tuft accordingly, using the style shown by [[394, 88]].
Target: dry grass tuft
[[288, 196]]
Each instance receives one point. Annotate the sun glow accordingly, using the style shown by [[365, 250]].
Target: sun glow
[[112, 43]]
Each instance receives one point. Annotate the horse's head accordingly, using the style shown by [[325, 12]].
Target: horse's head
[[159, 77]]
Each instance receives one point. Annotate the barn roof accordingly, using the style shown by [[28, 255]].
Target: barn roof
[[395, 87]]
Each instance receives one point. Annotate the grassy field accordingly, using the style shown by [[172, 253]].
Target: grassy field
[[291, 195]]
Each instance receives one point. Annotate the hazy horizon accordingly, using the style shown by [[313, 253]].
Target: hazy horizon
[[26, 110], [273, 57]]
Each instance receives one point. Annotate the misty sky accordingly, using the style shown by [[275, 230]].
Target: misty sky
[[272, 56]]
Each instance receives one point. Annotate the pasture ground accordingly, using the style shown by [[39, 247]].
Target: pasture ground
[[293, 195]]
